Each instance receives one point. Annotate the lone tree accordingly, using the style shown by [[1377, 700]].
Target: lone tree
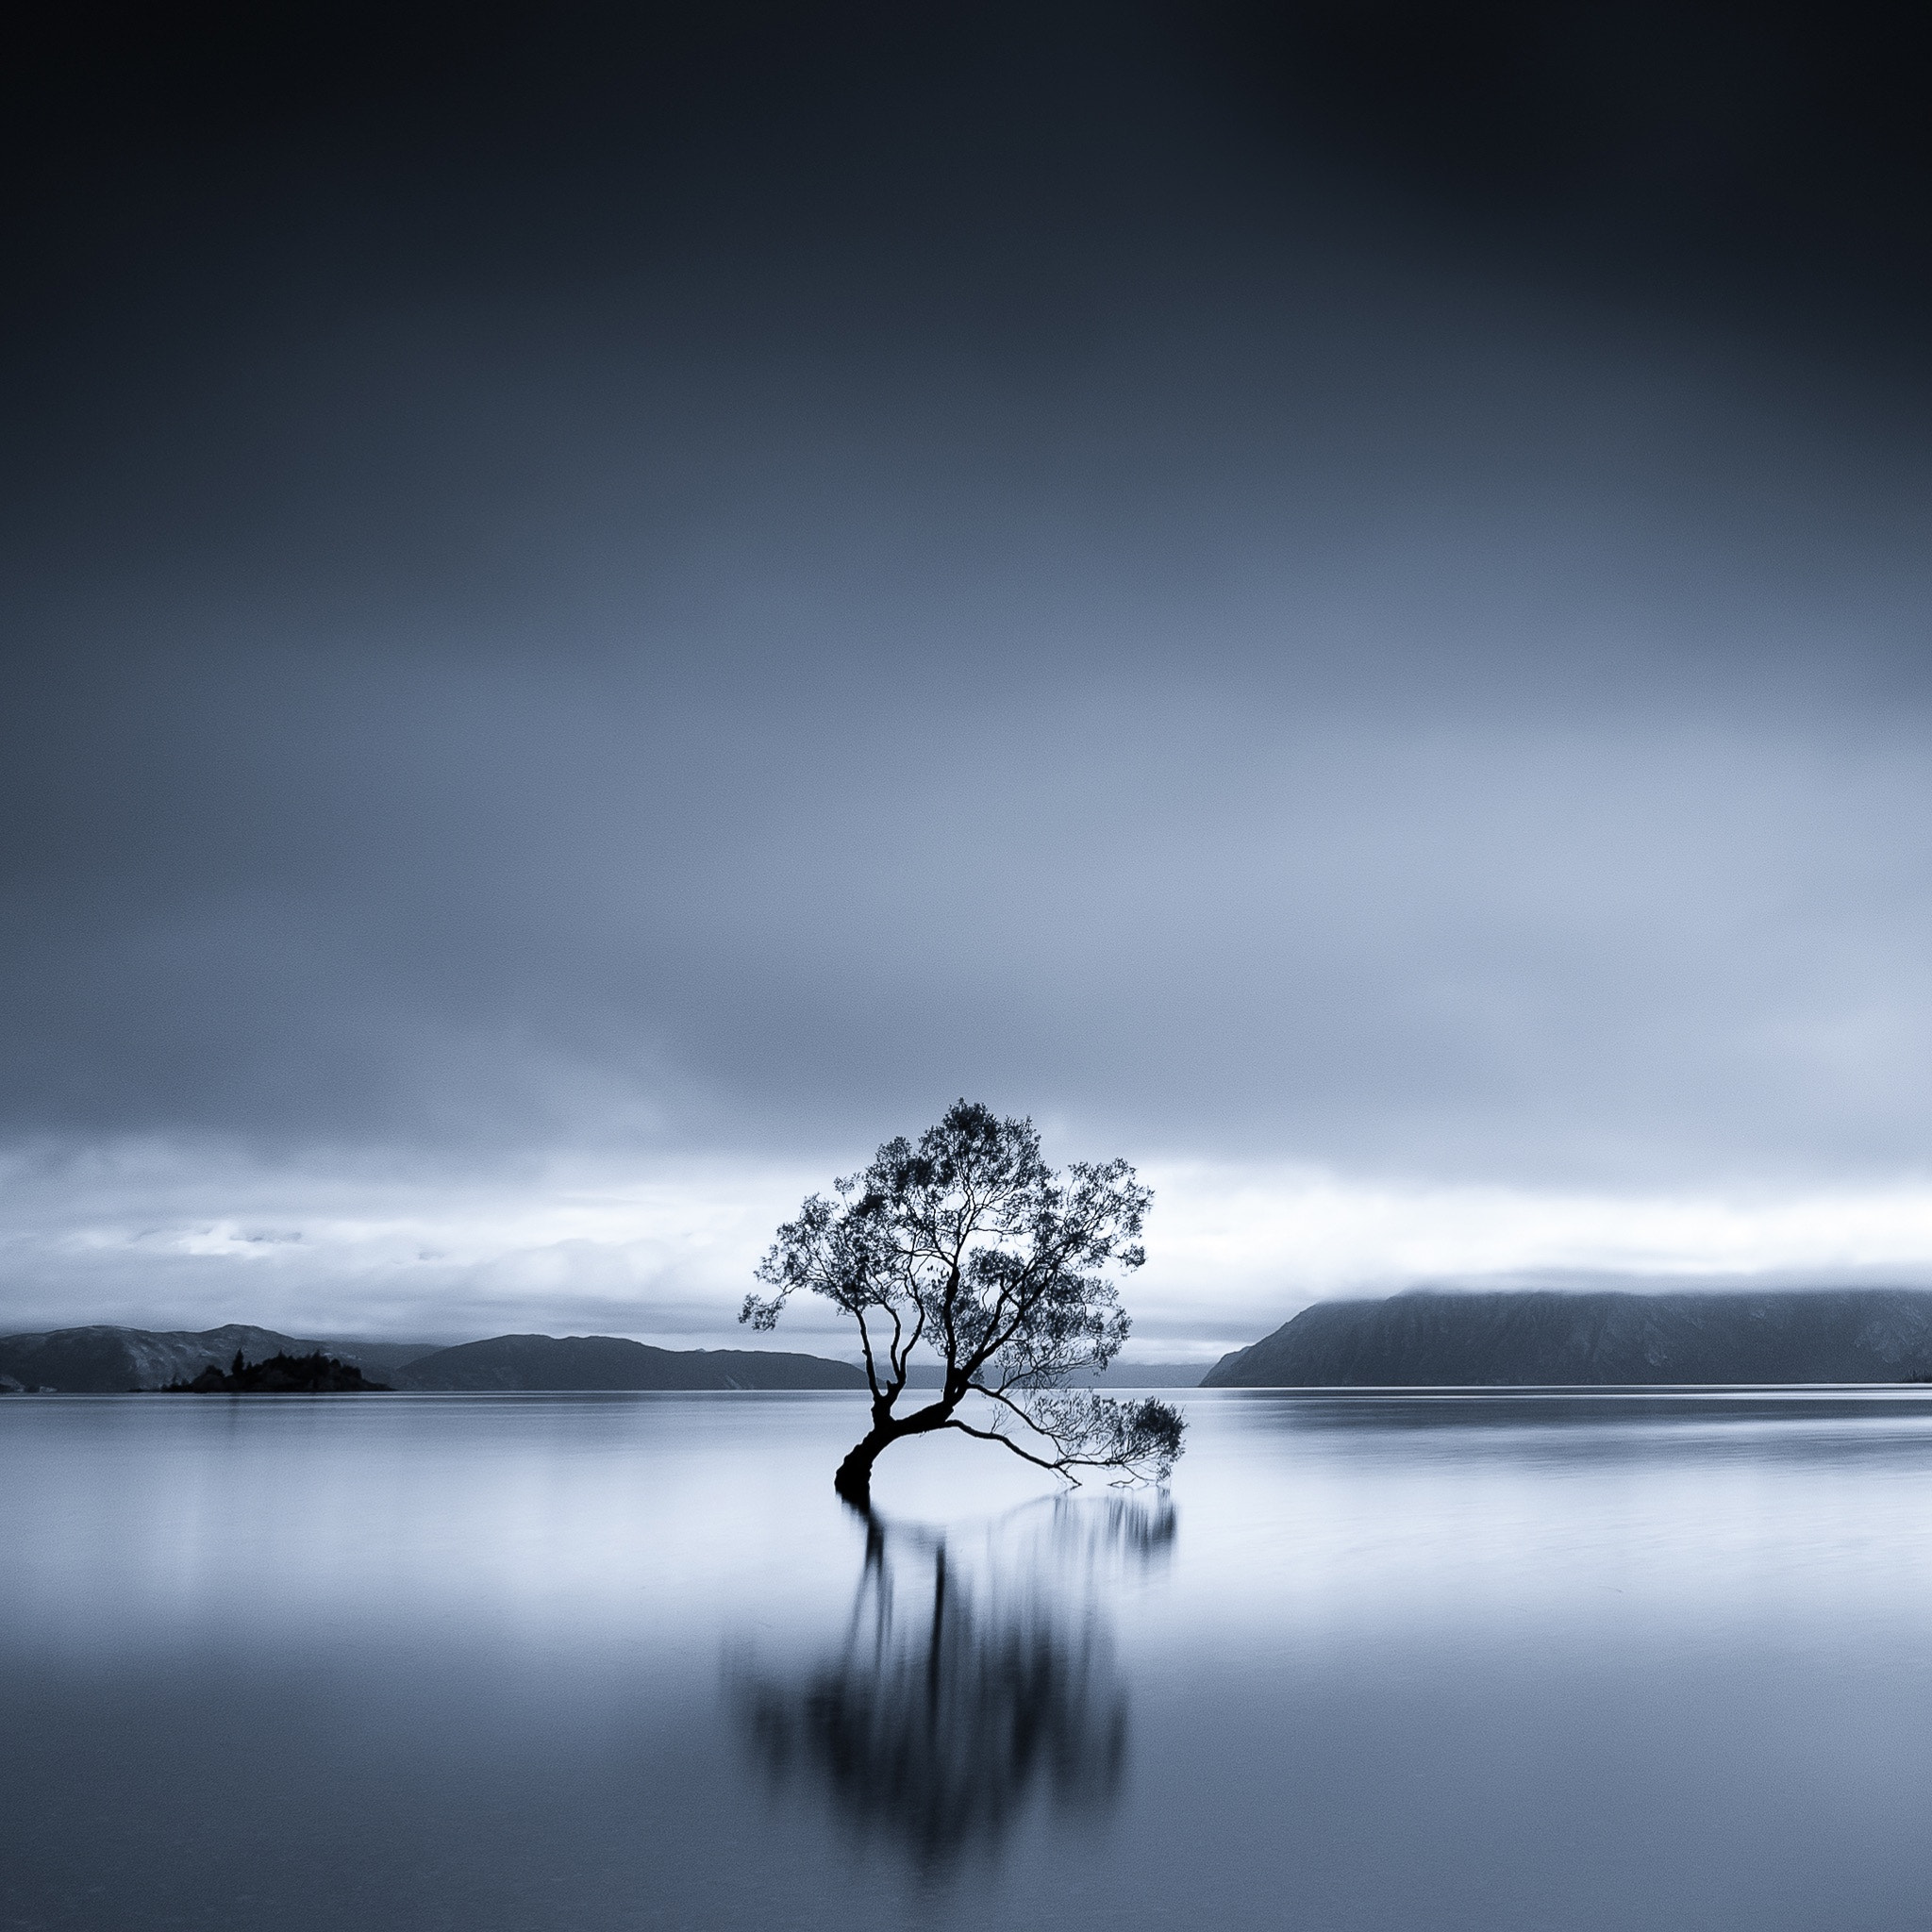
[[970, 1244]]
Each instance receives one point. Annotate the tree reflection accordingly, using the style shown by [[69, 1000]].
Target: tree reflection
[[975, 1679]]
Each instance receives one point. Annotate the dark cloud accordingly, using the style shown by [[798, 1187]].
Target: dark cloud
[[1333, 582]]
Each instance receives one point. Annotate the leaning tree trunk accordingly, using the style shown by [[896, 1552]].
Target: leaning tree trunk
[[855, 1472], [854, 1480]]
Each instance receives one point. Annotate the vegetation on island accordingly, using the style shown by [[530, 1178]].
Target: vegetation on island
[[281, 1375], [968, 1245]]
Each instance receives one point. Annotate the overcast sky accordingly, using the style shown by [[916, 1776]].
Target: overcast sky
[[602, 616]]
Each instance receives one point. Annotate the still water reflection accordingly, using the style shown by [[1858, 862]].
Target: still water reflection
[[1498, 1661], [976, 1675]]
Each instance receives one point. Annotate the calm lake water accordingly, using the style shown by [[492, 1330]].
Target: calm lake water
[[1497, 1661]]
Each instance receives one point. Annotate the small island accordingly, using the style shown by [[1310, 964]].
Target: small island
[[281, 1375]]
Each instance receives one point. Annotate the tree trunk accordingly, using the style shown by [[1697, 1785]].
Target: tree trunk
[[855, 1472], [854, 1480]]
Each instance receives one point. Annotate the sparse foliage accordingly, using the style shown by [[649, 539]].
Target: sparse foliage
[[969, 1244]]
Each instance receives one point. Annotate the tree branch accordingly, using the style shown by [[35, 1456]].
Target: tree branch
[[1006, 1401], [1058, 1469], [865, 1342]]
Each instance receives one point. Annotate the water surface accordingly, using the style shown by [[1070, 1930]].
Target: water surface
[[1483, 1660]]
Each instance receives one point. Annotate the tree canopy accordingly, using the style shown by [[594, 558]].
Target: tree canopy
[[968, 1246]]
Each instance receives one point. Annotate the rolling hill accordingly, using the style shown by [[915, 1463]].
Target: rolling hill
[[608, 1361]]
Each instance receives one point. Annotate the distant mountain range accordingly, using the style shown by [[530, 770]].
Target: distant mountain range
[[106, 1360], [103, 1361], [1442, 1339], [1119, 1375], [1422, 1338], [607, 1361]]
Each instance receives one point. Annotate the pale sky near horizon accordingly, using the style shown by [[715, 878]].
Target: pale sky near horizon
[[662, 1250], [604, 618]]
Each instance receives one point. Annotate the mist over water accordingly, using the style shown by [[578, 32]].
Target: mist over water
[[1499, 1660]]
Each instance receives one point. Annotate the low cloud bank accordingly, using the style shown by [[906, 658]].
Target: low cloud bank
[[161, 1235]]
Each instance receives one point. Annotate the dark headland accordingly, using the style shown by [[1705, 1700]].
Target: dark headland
[[1445, 1338]]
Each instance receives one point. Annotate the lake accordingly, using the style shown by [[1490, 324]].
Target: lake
[[1507, 1659]]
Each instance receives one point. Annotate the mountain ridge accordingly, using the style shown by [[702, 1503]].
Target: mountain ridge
[[534, 1362], [104, 1358]]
